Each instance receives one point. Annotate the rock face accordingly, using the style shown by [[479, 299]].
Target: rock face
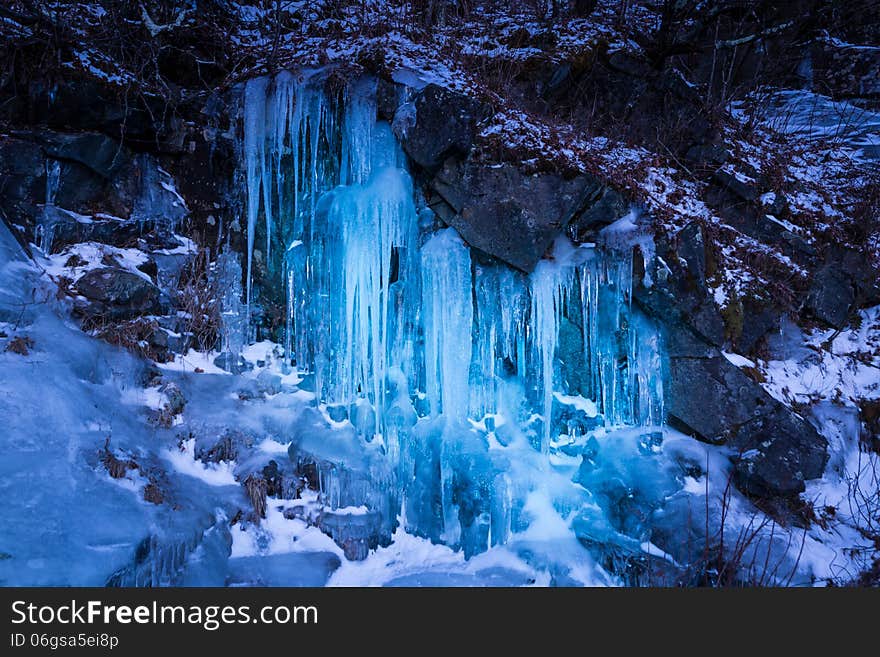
[[679, 296], [845, 69], [831, 296], [776, 450], [496, 207], [99, 153], [22, 181], [507, 213], [116, 294], [439, 124], [515, 216]]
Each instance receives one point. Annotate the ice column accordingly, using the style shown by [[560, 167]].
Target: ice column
[[448, 323]]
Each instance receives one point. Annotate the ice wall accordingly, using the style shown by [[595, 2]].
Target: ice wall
[[419, 341]]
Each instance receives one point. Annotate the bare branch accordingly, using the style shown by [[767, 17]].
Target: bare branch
[[154, 29]]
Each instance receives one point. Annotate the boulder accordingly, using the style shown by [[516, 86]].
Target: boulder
[[113, 231], [507, 213], [602, 208], [116, 294], [758, 318], [831, 296], [97, 152], [438, 124], [710, 398], [777, 452], [707, 154], [846, 70], [742, 190], [776, 449], [176, 399], [22, 181], [678, 296], [356, 533]]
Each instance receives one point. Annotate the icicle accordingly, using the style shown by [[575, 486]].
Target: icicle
[[45, 229], [254, 155], [375, 319], [550, 289], [372, 221], [53, 180], [448, 322]]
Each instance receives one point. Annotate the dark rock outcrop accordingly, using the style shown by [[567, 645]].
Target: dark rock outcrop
[[712, 399], [506, 212], [116, 294], [355, 533], [846, 70], [97, 152], [22, 182], [831, 296], [774, 449], [678, 295], [438, 124]]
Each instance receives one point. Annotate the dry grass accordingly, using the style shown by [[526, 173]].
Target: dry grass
[[21, 345], [198, 296], [136, 335]]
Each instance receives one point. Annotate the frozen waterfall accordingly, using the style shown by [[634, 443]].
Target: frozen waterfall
[[388, 311]]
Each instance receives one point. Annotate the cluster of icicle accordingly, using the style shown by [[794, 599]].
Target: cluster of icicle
[[383, 305]]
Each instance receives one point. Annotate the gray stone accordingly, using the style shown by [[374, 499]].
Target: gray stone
[[831, 296], [846, 70], [692, 248], [759, 317], [710, 397], [707, 154], [22, 181], [630, 64], [715, 401], [99, 153], [444, 125], [115, 232], [176, 399], [778, 451], [236, 365], [743, 190], [117, 294], [862, 271], [603, 207], [507, 213], [388, 96], [355, 533]]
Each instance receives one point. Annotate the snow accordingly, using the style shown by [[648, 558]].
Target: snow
[[588, 406], [739, 361], [186, 247], [271, 446], [845, 373], [150, 397], [193, 360], [214, 474], [277, 535], [93, 256]]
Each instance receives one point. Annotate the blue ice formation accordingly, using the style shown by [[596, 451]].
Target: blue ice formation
[[442, 356]]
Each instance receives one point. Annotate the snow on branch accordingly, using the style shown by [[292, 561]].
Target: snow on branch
[[154, 29], [732, 43]]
